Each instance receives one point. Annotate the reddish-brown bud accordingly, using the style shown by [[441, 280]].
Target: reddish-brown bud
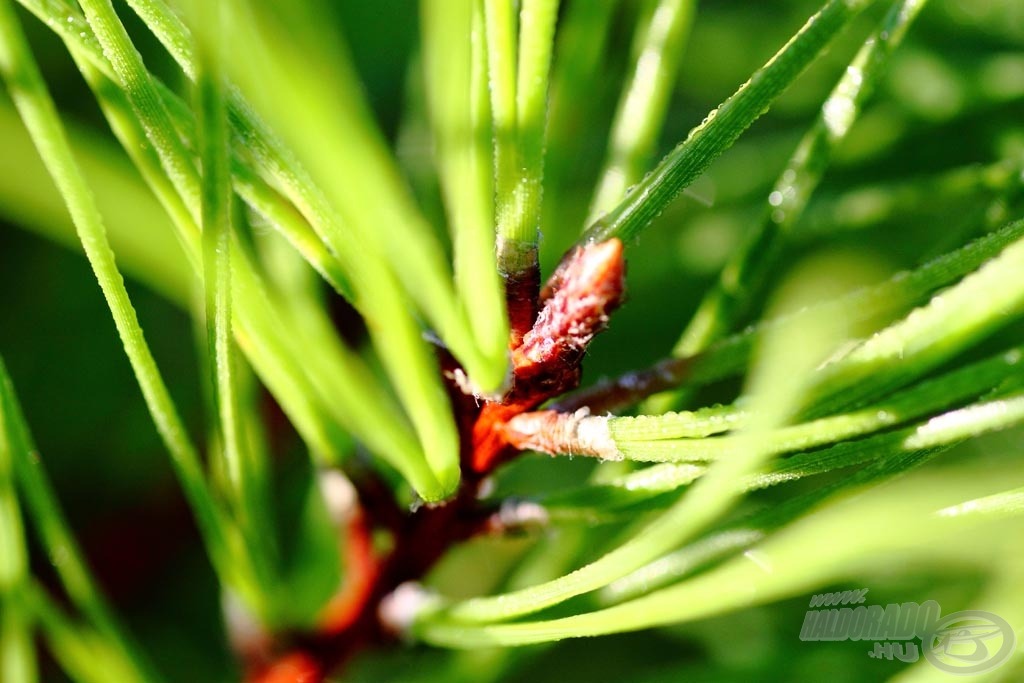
[[585, 289], [589, 287]]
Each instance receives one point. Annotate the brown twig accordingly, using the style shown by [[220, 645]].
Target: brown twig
[[547, 353], [589, 287], [608, 396]]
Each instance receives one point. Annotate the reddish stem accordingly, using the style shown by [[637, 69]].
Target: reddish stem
[[361, 569], [547, 353]]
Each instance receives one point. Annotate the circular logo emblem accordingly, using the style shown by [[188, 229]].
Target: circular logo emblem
[[969, 642]]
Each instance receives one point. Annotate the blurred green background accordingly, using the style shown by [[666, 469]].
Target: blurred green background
[[911, 182]]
